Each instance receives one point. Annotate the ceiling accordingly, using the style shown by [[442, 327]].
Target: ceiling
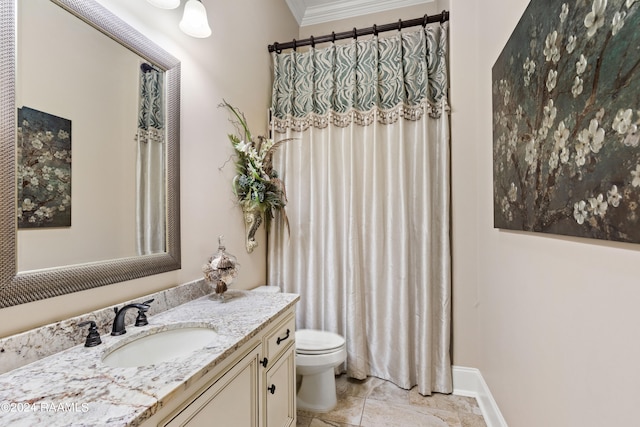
[[310, 12]]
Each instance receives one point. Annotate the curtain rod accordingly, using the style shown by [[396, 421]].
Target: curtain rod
[[355, 33]]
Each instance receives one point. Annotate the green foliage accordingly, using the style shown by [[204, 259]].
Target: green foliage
[[256, 184]]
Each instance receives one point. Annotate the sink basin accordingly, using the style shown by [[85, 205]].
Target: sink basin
[[160, 347]]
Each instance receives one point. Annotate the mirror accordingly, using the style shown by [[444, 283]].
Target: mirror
[[108, 246]]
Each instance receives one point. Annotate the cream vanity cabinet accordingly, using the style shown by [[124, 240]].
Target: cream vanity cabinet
[[254, 387]]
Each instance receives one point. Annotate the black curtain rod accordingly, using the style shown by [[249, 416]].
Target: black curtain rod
[[355, 33]]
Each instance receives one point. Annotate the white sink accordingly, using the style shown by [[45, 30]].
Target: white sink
[[160, 347]]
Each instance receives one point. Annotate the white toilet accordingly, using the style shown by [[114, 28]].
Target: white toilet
[[317, 354]]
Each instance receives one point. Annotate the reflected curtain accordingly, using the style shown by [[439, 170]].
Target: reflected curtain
[[150, 167], [367, 179]]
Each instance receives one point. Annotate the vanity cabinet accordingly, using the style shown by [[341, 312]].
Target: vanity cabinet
[[253, 387]]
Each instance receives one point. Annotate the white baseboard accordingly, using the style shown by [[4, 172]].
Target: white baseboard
[[469, 382]]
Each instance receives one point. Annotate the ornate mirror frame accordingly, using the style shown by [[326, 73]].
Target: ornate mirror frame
[[22, 287]]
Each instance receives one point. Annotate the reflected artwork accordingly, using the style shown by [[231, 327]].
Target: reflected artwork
[[566, 118], [43, 169]]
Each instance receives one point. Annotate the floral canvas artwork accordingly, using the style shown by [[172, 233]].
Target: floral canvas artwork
[[566, 112], [43, 170]]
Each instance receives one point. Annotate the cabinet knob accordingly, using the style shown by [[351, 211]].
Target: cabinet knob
[[264, 362], [272, 389]]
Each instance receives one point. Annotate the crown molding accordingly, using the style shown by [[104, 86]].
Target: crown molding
[[335, 10], [297, 8]]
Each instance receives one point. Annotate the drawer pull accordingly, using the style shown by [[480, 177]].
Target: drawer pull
[[264, 362], [272, 389], [279, 340]]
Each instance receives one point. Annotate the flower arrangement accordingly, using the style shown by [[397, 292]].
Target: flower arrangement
[[260, 192]]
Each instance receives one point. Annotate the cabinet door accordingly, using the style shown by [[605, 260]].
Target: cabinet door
[[231, 401], [280, 393]]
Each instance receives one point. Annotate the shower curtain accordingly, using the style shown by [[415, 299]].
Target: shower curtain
[[150, 166], [367, 179]]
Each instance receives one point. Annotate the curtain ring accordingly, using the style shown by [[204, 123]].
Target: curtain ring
[[399, 24], [333, 36], [313, 42], [444, 16], [355, 33], [295, 45], [375, 30], [426, 20], [276, 48]]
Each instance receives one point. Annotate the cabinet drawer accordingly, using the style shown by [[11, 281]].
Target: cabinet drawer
[[280, 338]]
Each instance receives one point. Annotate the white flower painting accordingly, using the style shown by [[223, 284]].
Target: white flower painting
[[566, 108], [43, 170]]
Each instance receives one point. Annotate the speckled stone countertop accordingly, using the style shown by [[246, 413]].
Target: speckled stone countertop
[[74, 387]]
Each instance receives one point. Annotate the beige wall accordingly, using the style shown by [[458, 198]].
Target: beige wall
[[551, 322], [233, 64]]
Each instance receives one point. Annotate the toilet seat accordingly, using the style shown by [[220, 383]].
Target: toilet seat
[[309, 341]]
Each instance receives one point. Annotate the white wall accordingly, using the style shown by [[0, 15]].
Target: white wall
[[550, 321], [233, 64]]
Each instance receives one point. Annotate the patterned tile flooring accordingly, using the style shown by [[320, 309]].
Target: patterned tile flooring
[[379, 403]]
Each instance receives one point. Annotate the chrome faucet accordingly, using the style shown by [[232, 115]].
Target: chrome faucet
[[141, 320]]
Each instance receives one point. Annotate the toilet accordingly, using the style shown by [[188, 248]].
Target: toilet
[[317, 354]]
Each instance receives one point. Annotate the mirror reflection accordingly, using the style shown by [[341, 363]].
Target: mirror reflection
[[90, 144], [90, 185]]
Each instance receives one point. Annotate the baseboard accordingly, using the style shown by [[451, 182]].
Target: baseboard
[[469, 382]]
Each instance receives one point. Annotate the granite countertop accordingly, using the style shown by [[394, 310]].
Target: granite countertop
[[74, 387]]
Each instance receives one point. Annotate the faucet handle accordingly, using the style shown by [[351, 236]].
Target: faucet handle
[[141, 320], [147, 303], [93, 338]]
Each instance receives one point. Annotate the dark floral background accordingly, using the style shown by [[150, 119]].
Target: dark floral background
[[566, 113]]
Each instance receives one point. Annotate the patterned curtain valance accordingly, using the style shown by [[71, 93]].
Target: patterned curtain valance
[[363, 81], [151, 106]]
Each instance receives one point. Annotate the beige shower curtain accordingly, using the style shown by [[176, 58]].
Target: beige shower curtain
[[367, 178], [150, 164]]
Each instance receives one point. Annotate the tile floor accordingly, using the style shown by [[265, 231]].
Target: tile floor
[[378, 403]]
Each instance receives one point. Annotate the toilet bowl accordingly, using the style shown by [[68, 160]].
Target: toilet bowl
[[317, 354]]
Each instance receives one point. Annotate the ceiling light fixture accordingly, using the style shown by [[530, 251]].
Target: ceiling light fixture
[[165, 4], [194, 21]]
